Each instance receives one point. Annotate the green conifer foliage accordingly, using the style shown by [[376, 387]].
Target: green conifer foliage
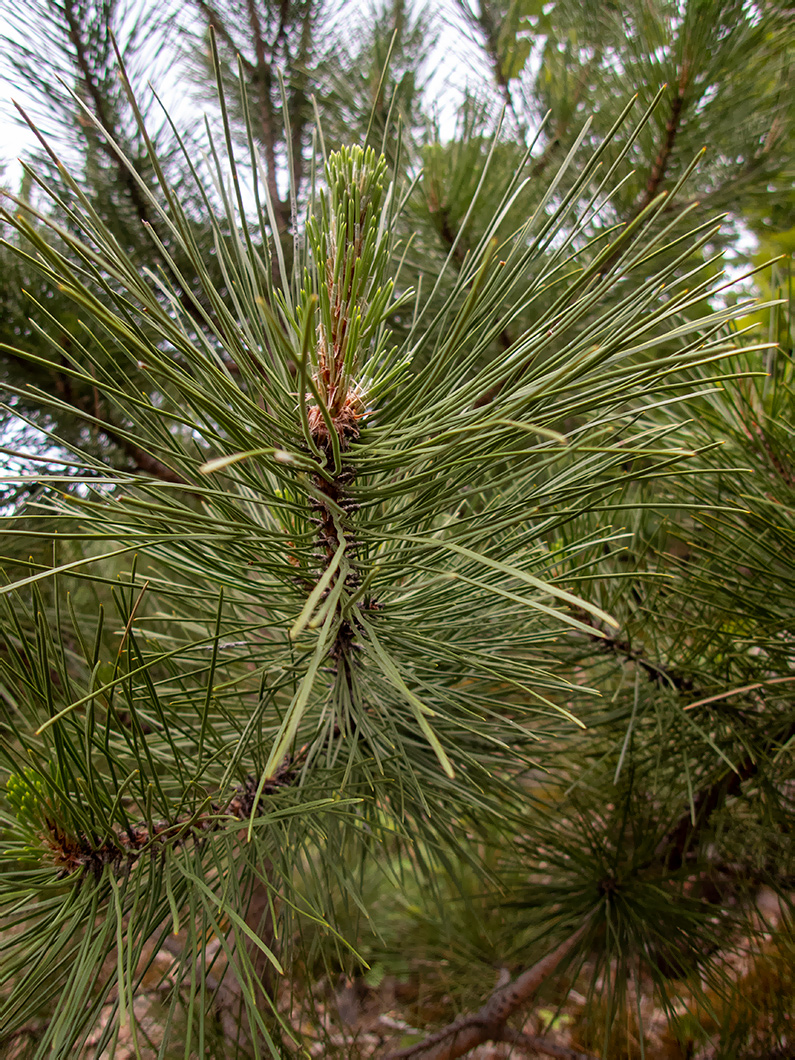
[[447, 566]]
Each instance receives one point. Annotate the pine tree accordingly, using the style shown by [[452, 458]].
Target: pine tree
[[412, 518]]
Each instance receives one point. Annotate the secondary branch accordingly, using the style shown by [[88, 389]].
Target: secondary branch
[[488, 1024]]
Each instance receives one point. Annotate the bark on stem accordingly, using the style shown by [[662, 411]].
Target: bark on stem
[[264, 76], [488, 1023], [660, 164], [100, 110], [536, 1044]]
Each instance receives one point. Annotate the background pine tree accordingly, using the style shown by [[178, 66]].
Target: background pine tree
[[398, 549]]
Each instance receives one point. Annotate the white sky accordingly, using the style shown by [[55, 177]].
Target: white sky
[[13, 138]]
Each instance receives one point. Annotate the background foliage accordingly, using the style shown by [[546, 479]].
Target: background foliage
[[398, 549]]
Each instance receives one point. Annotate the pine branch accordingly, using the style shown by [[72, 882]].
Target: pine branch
[[260, 72], [663, 158], [486, 23], [142, 460], [488, 1023], [659, 166], [298, 91], [360, 451], [562, 125], [623, 650], [450, 237], [103, 116], [782, 469], [264, 76], [116, 435], [673, 849], [534, 1043], [447, 230], [125, 177], [122, 848], [215, 22]]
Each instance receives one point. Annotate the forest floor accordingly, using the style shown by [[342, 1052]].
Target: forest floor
[[756, 1022], [346, 1019]]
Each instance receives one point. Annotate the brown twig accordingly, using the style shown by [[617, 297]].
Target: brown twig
[[299, 100], [489, 1022], [537, 1044], [264, 78], [488, 28], [660, 164], [100, 112], [674, 847], [142, 460], [655, 672], [73, 852]]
